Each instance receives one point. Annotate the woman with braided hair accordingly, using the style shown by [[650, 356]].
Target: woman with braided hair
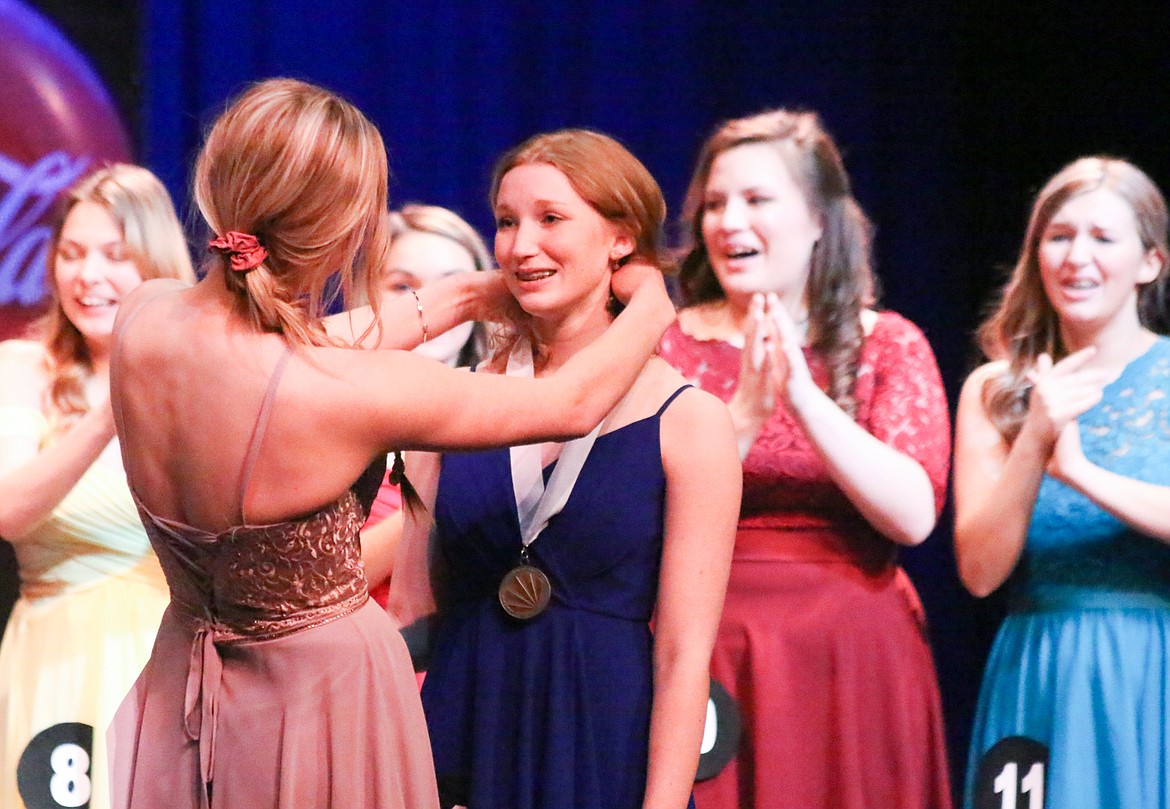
[[427, 243]]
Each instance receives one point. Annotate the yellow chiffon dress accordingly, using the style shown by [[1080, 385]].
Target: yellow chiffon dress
[[91, 598]]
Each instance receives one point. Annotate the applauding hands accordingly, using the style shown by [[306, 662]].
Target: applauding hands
[[1061, 392], [773, 368]]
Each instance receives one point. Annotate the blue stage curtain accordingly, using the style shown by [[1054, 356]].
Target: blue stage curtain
[[452, 85]]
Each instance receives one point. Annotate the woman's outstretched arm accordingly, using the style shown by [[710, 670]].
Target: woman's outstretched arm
[[424, 405]]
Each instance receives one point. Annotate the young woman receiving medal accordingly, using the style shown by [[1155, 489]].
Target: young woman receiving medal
[[546, 688]]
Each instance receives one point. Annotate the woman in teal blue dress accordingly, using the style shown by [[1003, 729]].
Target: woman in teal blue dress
[[1062, 494]]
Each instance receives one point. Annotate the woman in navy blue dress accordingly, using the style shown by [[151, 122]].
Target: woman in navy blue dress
[[546, 687]]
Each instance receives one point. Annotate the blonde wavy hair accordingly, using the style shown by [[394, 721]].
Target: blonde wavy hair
[[441, 222], [141, 207], [840, 281], [1023, 325], [305, 172]]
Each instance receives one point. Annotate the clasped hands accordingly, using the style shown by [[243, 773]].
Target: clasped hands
[[772, 367], [1061, 392]]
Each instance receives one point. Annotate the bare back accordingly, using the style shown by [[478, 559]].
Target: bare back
[[189, 385]]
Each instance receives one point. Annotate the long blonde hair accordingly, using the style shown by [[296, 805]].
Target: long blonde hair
[[141, 207], [304, 172], [840, 281], [1024, 325]]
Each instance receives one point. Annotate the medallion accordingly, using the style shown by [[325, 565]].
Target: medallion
[[525, 592]]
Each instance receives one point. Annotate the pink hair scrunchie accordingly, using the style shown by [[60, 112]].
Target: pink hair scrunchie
[[243, 250]]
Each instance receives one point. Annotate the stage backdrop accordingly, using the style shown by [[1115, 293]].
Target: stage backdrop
[[57, 121], [950, 116], [452, 85]]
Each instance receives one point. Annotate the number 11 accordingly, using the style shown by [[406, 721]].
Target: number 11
[[1032, 785]]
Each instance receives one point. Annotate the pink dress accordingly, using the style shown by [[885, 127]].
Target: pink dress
[[822, 642], [274, 680]]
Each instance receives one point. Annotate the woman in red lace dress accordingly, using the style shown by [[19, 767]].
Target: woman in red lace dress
[[843, 431]]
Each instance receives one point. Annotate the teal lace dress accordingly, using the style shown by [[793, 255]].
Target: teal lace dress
[[1074, 710]]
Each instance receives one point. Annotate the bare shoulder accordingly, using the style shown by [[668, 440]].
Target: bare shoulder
[[698, 439], [151, 322], [699, 409], [973, 386], [694, 408], [24, 371], [148, 290], [661, 381]]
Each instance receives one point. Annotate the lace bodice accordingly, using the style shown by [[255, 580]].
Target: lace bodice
[[900, 400], [268, 580], [1074, 542]]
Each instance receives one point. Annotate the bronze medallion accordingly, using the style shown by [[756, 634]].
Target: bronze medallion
[[525, 592]]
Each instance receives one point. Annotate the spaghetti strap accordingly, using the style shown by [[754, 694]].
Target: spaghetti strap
[[257, 439], [671, 398]]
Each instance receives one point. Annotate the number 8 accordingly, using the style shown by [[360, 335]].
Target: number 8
[[70, 785]]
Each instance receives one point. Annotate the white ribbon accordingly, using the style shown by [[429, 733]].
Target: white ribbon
[[536, 504]]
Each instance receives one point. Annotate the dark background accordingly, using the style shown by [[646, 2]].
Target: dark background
[[950, 116]]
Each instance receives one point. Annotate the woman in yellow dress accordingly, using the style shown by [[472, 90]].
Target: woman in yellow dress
[[91, 592]]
